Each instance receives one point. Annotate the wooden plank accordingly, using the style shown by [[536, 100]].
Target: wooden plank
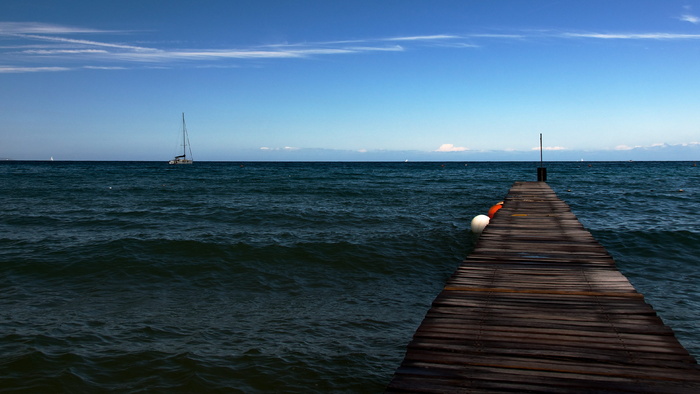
[[539, 306]]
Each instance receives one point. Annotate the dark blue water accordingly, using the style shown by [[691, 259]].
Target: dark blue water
[[285, 277]]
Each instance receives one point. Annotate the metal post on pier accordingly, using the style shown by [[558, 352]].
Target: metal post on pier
[[541, 171]]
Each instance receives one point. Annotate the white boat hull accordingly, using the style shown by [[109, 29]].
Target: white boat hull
[[180, 161]]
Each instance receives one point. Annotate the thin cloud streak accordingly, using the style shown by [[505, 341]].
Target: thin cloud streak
[[15, 70], [104, 68], [424, 38], [164, 56], [132, 53], [630, 36], [395, 48], [85, 42], [62, 51], [504, 36], [43, 28]]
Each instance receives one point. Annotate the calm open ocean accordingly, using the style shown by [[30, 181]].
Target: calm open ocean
[[285, 277]]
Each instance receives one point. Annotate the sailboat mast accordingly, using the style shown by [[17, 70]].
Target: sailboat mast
[[184, 140]]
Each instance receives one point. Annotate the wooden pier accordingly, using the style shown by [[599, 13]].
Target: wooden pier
[[539, 306]]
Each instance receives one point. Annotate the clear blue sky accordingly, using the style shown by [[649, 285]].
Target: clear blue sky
[[350, 80]]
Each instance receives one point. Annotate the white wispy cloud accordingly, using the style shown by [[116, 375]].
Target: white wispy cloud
[[458, 45], [424, 38], [62, 51], [496, 35], [42, 28], [393, 48], [633, 36], [84, 42], [690, 18], [104, 68], [164, 55], [9, 69], [36, 47], [167, 55], [50, 44]]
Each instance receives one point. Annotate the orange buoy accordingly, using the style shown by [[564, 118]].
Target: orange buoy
[[494, 209]]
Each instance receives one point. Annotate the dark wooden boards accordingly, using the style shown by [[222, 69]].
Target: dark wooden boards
[[539, 306]]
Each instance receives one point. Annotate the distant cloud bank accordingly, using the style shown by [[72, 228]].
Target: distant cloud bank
[[662, 152], [549, 148]]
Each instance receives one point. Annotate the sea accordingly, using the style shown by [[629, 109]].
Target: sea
[[232, 277]]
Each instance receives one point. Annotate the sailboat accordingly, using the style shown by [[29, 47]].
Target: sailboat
[[182, 159]]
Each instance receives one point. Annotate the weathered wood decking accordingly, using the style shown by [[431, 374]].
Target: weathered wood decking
[[539, 306]]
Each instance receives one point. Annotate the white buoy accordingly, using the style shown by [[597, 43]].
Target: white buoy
[[479, 223]]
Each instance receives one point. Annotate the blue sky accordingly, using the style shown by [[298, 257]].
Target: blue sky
[[357, 80]]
